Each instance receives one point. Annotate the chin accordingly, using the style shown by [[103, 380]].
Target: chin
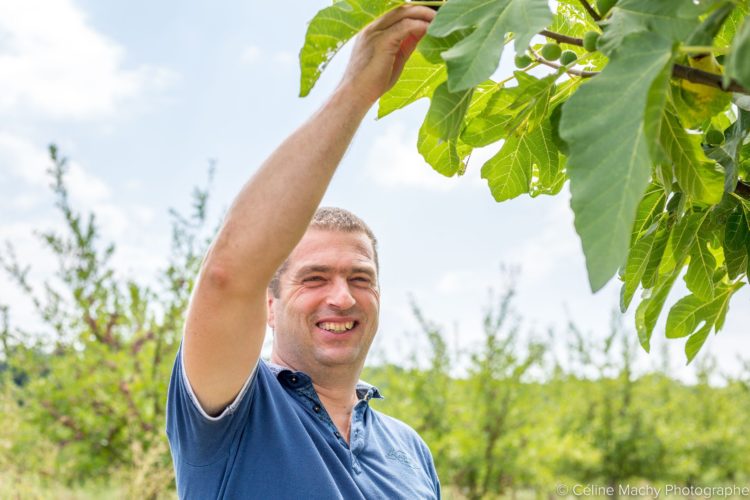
[[337, 359]]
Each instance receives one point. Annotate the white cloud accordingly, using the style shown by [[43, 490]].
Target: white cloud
[[30, 163], [57, 65], [285, 58], [393, 161], [555, 243], [462, 281], [26, 165], [251, 54]]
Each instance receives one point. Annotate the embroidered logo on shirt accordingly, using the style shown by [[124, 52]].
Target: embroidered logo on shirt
[[401, 457]]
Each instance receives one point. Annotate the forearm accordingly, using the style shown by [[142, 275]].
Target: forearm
[[270, 214], [226, 319]]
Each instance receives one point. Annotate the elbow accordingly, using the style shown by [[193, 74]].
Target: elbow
[[217, 276]]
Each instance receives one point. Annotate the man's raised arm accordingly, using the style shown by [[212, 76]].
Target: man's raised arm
[[226, 319]]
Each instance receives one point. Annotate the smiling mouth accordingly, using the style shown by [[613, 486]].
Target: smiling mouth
[[334, 327]]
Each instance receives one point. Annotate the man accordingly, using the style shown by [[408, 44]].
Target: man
[[299, 427]]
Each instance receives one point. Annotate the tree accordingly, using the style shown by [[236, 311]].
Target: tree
[[93, 380], [650, 126], [479, 428], [613, 421]]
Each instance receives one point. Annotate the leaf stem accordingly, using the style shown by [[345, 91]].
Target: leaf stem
[[678, 70], [698, 49]]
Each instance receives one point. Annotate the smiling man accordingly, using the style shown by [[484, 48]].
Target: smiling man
[[299, 426]]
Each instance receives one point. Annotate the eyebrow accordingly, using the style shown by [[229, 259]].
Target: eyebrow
[[317, 268]]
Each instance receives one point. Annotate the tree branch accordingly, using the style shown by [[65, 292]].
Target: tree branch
[[590, 10], [678, 70], [562, 38], [705, 78], [742, 190], [570, 71]]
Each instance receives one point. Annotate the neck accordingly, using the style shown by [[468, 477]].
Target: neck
[[336, 386]]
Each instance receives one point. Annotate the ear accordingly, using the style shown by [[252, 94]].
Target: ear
[[269, 312]]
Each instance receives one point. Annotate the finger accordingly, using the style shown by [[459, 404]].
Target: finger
[[408, 45], [405, 46], [406, 30], [405, 11]]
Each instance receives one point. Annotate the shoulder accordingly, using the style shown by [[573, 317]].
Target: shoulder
[[403, 432], [396, 425]]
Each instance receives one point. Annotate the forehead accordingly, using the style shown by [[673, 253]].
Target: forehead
[[333, 248]]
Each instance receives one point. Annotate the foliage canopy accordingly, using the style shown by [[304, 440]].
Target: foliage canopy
[[651, 128]]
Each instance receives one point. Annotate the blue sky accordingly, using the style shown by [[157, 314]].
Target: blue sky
[[141, 95]]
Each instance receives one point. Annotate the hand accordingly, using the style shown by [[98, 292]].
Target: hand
[[382, 49]]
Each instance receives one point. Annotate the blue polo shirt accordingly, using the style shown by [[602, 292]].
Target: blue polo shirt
[[276, 441]]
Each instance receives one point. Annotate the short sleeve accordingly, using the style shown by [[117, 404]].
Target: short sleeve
[[195, 437], [430, 462]]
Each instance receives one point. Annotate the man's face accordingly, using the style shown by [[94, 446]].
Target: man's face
[[326, 314]]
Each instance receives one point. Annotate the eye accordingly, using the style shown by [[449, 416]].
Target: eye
[[313, 279], [363, 280]]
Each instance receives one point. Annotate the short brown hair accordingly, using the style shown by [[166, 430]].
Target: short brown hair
[[330, 219]]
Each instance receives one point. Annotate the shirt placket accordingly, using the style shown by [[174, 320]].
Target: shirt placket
[[357, 433], [303, 391]]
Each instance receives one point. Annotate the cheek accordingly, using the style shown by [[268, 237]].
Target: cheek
[[370, 297], [305, 301]]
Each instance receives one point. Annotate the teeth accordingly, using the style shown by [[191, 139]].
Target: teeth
[[337, 327]]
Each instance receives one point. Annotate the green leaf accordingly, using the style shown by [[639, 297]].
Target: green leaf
[[698, 103], [638, 259], [482, 98], [695, 342], [651, 273], [700, 272], [609, 163], [476, 57], [419, 79], [330, 29], [701, 179], [432, 47], [649, 309], [650, 206], [674, 20], [690, 313], [737, 66], [731, 25], [680, 240], [736, 238], [548, 181], [491, 123], [446, 157], [484, 130], [729, 154], [704, 34], [532, 101], [509, 172], [447, 110], [745, 204], [653, 117]]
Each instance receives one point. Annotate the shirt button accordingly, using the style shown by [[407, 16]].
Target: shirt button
[[316, 408], [337, 434], [293, 379]]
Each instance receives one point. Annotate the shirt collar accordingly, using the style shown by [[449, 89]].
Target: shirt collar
[[364, 390]]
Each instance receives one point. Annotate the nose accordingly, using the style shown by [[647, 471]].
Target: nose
[[340, 295]]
